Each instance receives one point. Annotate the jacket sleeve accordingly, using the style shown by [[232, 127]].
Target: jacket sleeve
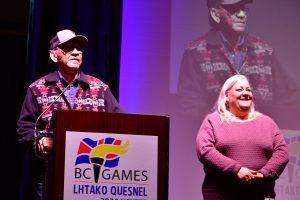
[[111, 104], [284, 85], [27, 119], [191, 92]]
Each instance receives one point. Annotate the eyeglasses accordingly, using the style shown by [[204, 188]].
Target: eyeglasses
[[67, 48], [235, 9]]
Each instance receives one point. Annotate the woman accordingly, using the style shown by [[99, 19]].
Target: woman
[[242, 150]]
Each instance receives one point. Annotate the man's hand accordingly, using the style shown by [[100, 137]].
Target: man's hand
[[45, 145]]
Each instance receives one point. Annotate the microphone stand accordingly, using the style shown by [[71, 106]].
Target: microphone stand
[[39, 134]]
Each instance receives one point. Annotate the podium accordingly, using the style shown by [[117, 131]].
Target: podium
[[108, 156]]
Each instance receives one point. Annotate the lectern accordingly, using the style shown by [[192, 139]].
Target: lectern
[[108, 156]]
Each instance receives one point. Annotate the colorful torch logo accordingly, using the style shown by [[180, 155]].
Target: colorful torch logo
[[104, 152]]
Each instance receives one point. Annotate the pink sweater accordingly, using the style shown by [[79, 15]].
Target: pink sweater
[[224, 148]]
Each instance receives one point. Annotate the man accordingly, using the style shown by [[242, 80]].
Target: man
[[66, 88], [227, 49]]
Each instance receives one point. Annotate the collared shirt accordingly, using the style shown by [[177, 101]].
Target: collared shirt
[[71, 89], [236, 53]]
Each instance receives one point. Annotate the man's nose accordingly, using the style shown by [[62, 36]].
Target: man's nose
[[75, 51], [241, 13]]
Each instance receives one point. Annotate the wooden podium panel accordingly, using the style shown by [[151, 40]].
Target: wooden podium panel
[[101, 122]]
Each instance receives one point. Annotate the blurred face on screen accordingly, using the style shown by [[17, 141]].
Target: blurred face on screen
[[232, 17]]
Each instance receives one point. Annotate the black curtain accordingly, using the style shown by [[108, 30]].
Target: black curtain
[[101, 22], [12, 51]]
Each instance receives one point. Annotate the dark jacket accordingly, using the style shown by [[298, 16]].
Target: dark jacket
[[92, 95], [206, 64]]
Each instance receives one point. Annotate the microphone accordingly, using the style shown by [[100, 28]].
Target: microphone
[[39, 134]]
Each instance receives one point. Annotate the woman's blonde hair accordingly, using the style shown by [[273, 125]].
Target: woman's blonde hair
[[222, 106]]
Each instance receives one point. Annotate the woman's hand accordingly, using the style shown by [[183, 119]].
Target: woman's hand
[[259, 175], [246, 174]]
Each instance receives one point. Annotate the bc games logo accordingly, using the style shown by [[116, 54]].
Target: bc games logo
[[293, 166], [105, 152], [288, 185]]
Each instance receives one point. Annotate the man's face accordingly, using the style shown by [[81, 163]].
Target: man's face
[[69, 56], [233, 17]]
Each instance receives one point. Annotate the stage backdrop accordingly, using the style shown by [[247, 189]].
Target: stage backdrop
[[154, 36]]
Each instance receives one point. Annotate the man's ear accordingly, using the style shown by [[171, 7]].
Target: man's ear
[[215, 15], [53, 56]]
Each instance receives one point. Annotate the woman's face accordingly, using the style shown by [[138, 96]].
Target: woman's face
[[239, 98]]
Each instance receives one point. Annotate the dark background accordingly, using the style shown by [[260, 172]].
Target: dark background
[[13, 39]]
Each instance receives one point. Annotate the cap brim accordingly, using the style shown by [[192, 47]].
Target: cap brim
[[235, 2], [80, 39]]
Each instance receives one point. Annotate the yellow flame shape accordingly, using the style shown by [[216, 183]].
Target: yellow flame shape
[[103, 149], [294, 148]]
